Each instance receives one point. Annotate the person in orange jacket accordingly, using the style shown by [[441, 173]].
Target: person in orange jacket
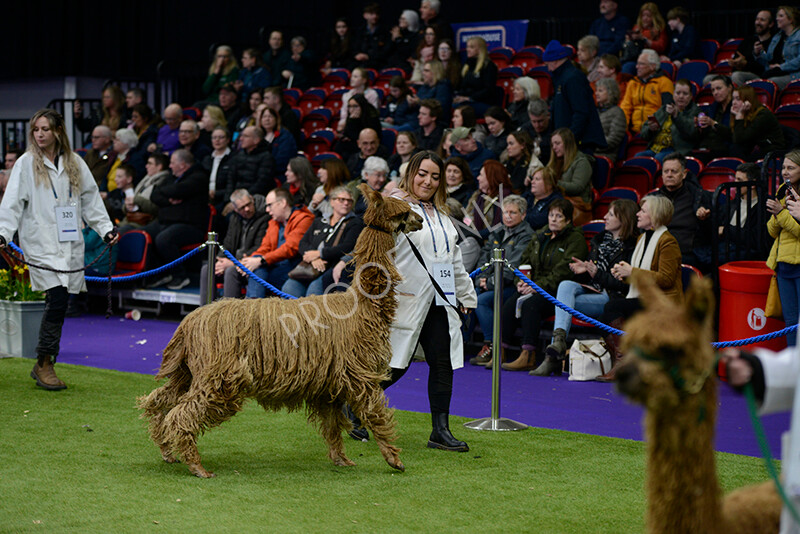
[[643, 96], [277, 254]]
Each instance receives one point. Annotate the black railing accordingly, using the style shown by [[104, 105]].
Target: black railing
[[13, 135], [151, 88], [182, 81]]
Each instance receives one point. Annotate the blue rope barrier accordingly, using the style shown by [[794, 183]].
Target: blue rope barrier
[[575, 313], [145, 274], [249, 273], [473, 274], [612, 330]]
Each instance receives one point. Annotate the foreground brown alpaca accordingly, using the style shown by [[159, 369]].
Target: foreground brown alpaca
[[668, 368], [321, 351]]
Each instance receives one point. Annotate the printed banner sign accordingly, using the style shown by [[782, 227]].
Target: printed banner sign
[[496, 33]]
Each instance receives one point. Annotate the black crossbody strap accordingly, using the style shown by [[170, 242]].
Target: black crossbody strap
[[436, 285]]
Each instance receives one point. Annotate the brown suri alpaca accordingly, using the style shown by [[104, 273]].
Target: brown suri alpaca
[[670, 372], [321, 351]]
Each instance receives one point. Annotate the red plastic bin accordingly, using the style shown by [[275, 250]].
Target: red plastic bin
[[743, 293]]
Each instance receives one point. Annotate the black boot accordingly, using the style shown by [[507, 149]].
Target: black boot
[[441, 438], [358, 432]]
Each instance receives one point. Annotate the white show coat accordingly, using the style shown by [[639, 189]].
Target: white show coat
[[30, 209], [415, 292], [781, 375]]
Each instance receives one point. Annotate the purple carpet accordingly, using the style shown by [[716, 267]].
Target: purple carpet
[[588, 407]]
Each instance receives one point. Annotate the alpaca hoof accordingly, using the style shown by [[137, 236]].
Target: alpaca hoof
[[198, 471], [399, 466], [344, 462]]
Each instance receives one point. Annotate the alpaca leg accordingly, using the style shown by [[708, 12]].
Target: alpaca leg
[[156, 405], [157, 433], [378, 418], [331, 424], [199, 409]]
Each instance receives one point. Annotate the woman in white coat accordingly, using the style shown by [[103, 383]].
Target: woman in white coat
[[424, 319], [49, 192]]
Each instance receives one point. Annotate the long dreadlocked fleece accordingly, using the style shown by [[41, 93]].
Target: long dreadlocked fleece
[[670, 371], [321, 352]]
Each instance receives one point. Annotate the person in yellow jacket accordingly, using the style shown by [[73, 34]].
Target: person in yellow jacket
[[644, 94], [784, 257]]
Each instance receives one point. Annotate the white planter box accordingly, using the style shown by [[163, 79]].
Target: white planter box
[[19, 328]]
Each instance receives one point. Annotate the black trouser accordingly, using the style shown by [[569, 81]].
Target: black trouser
[[435, 341], [533, 312], [55, 309], [619, 309]]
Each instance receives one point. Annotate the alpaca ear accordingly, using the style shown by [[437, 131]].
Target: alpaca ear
[[370, 194], [649, 293], [699, 299]]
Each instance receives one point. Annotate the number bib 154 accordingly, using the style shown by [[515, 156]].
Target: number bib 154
[[445, 277]]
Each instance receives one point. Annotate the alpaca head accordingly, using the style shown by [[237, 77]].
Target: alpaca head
[[667, 346], [389, 214]]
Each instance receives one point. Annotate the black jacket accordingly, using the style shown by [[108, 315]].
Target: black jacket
[[290, 121], [192, 189], [319, 232], [685, 227], [480, 87], [252, 171], [374, 44], [223, 171], [244, 237]]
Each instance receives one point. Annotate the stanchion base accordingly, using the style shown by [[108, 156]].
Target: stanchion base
[[487, 423]]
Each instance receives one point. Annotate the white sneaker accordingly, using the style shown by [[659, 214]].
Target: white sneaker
[[180, 283], [160, 282]]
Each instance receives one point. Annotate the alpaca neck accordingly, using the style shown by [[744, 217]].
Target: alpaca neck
[[375, 272], [683, 491]]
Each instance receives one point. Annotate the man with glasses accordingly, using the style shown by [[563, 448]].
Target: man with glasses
[[188, 135], [167, 140], [374, 173], [277, 253], [246, 229]]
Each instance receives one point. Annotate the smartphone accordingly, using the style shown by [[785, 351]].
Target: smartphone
[[790, 190], [666, 98]]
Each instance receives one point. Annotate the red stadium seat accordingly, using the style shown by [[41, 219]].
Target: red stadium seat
[[712, 177], [637, 178]]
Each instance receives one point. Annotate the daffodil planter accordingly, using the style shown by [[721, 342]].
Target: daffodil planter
[[19, 327]]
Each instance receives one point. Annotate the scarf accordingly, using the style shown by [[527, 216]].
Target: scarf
[[643, 256], [606, 251]]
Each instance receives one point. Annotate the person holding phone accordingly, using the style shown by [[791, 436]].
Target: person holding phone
[[784, 257], [671, 128]]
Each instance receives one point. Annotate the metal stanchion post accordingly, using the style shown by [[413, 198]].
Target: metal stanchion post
[[212, 259], [495, 422]]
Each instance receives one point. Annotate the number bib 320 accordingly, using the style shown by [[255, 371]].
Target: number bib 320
[[67, 222]]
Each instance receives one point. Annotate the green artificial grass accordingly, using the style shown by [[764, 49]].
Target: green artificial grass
[[80, 460]]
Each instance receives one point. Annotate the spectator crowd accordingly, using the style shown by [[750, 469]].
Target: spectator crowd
[[536, 143]]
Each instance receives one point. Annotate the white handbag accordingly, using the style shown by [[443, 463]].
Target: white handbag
[[588, 359]]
